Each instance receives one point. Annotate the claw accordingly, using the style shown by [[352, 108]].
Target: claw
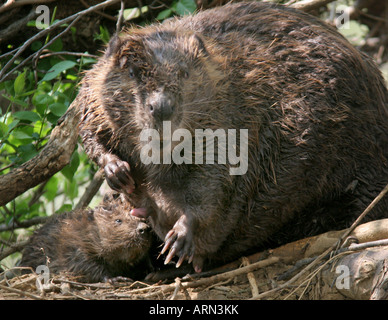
[[170, 255], [181, 259], [169, 235], [166, 245]]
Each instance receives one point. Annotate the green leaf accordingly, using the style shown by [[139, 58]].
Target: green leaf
[[21, 135], [42, 99], [13, 125], [56, 45], [26, 116], [71, 189], [36, 45], [51, 188], [185, 7], [56, 69], [72, 167], [19, 83], [134, 13], [27, 152], [58, 108], [164, 14], [87, 60], [3, 130], [65, 208]]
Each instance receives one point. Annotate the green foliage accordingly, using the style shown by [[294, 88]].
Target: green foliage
[[178, 7], [31, 104]]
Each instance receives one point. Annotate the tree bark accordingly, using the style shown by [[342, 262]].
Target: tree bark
[[53, 157]]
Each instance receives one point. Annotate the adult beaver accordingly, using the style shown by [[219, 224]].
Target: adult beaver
[[315, 109], [94, 245]]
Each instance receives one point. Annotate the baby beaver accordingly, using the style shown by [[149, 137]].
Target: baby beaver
[[95, 245]]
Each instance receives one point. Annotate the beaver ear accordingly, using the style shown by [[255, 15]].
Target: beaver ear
[[113, 46], [197, 46], [130, 50]]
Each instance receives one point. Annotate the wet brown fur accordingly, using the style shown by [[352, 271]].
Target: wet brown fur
[[94, 245], [316, 110]]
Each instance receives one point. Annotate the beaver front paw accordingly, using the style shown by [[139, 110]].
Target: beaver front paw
[[117, 174], [180, 241]]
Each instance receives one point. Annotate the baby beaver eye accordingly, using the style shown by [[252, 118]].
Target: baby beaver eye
[[184, 74], [118, 221], [131, 73]]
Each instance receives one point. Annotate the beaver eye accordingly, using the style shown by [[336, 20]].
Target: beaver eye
[[118, 221], [132, 73]]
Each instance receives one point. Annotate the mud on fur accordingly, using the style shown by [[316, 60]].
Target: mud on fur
[[315, 107]]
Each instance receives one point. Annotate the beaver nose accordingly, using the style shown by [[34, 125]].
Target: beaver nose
[[142, 228], [161, 105]]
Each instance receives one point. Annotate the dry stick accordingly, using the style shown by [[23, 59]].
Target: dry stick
[[307, 5], [49, 29], [251, 278], [14, 248], [99, 12], [362, 215], [177, 287], [210, 280], [314, 273], [10, 4], [78, 54], [120, 18], [37, 54], [23, 224], [327, 251], [91, 190], [20, 292]]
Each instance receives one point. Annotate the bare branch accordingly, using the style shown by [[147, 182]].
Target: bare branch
[[49, 29], [54, 156]]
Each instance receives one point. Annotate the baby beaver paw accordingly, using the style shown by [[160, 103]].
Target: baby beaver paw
[[117, 173], [180, 239]]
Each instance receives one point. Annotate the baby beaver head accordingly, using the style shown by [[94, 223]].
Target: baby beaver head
[[123, 237]]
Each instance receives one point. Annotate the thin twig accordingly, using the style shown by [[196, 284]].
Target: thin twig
[[13, 248], [37, 54], [68, 53], [22, 224], [10, 4], [44, 32], [251, 278], [21, 293], [120, 18], [91, 190], [362, 215], [177, 287], [103, 14], [327, 251]]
